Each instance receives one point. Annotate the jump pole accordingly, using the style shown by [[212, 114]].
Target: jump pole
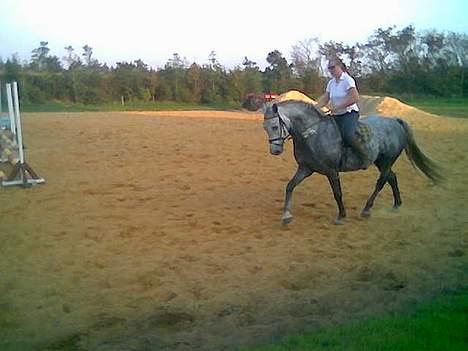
[[22, 174], [11, 111]]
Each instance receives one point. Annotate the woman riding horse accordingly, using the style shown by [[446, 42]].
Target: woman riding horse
[[343, 96], [318, 148]]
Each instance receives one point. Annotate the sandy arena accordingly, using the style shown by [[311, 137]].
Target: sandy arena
[[161, 231]]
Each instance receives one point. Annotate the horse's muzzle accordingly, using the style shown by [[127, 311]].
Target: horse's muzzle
[[276, 149]]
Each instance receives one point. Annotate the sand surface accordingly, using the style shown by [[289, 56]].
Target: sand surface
[[161, 231]]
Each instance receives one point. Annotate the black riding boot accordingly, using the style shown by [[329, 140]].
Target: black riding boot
[[361, 152]]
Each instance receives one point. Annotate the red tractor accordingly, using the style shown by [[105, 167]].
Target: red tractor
[[253, 102]]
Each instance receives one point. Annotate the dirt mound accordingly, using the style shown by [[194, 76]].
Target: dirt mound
[[392, 106], [388, 106], [418, 119], [368, 104]]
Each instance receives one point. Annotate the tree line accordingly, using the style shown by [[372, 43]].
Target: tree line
[[392, 61]]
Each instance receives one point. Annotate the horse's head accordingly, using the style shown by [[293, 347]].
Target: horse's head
[[276, 126], [289, 118]]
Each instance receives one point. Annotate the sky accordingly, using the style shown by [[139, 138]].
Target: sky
[[154, 30]]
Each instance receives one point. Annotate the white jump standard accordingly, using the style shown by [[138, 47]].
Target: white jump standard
[[22, 174]]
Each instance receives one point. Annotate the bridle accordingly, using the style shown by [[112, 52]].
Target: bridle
[[284, 124]]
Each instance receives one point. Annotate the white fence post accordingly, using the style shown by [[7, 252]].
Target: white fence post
[[11, 112], [22, 174], [19, 132]]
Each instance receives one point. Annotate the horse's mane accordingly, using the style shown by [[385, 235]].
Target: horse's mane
[[295, 96]]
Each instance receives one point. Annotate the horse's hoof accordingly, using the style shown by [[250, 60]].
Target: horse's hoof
[[286, 221], [396, 209], [365, 213], [339, 221]]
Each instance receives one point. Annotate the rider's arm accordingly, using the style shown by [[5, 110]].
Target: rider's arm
[[323, 100]]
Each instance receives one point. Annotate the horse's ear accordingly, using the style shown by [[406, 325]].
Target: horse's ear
[[275, 108]]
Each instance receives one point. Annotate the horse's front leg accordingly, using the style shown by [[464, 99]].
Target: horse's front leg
[[334, 180], [301, 174]]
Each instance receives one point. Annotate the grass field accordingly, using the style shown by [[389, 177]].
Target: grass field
[[453, 107], [440, 325], [134, 106]]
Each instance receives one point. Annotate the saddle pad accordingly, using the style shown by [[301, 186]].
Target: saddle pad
[[364, 132], [298, 96]]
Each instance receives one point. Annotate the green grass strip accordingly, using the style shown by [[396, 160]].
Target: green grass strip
[[136, 106], [449, 107], [441, 325]]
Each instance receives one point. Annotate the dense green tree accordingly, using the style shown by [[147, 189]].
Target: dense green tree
[[194, 82], [278, 76], [252, 77], [377, 57], [458, 57], [213, 77], [39, 56], [12, 69], [391, 61], [131, 81], [71, 58], [41, 61], [174, 75]]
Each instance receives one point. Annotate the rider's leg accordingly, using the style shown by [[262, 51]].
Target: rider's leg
[[351, 137], [340, 122], [359, 148]]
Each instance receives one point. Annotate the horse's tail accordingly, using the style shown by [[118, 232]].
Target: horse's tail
[[418, 159]]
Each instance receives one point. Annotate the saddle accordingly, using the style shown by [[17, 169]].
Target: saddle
[[364, 132]]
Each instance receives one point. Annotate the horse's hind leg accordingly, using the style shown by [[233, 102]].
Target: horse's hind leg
[[392, 180], [366, 212], [301, 174]]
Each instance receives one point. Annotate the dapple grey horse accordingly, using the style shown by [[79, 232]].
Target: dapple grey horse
[[318, 147]]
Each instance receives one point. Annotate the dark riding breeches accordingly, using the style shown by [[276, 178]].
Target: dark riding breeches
[[347, 123]]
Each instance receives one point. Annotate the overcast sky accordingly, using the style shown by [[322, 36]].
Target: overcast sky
[[154, 30]]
